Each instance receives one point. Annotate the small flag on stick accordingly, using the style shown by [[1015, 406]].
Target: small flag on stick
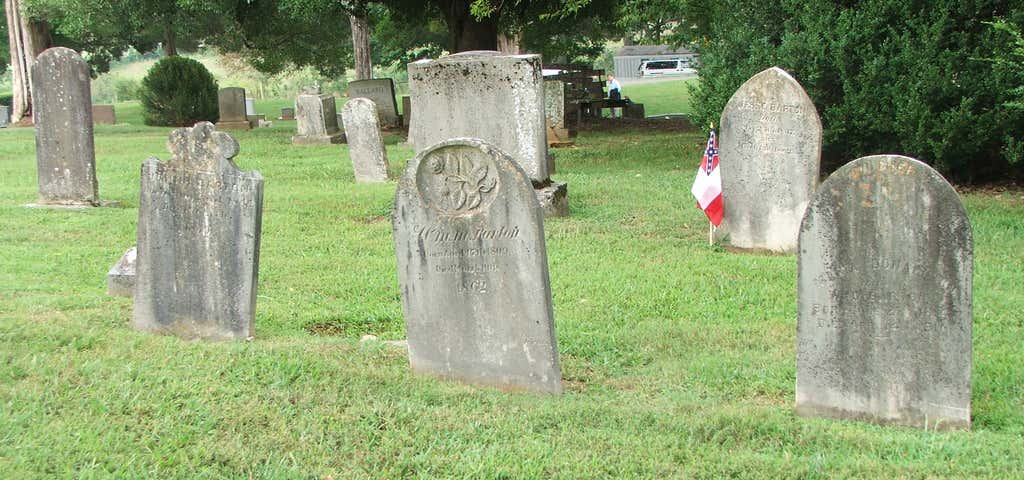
[[707, 187]]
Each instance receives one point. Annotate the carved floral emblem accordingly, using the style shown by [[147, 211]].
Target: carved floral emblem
[[463, 181]]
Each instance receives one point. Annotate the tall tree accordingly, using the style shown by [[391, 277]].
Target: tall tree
[[27, 38], [359, 21]]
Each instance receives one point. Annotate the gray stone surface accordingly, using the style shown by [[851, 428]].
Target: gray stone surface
[[121, 277], [382, 92], [231, 109], [250, 106], [5, 116], [770, 147], [473, 270], [488, 95], [554, 107], [65, 155], [885, 295], [316, 120], [366, 145], [406, 108], [104, 114], [198, 239], [287, 113]]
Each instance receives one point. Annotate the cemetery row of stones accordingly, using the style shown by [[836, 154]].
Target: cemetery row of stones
[[884, 246]]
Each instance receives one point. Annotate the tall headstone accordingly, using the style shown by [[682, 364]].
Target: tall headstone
[[231, 105], [316, 120], [366, 145], [885, 297], [5, 116], [491, 96], [770, 153], [104, 114], [406, 108], [198, 239], [382, 92], [554, 110], [65, 155], [473, 270]]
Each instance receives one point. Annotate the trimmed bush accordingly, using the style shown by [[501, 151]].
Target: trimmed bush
[[178, 92]]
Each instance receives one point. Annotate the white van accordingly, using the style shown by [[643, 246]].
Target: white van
[[657, 68]]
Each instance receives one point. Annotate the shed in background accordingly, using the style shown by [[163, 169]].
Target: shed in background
[[627, 59]]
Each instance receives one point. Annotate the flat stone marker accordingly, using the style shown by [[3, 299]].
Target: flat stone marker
[[104, 114], [473, 270], [316, 120], [287, 113], [231, 106], [5, 116], [121, 277], [65, 155], [885, 298], [366, 146], [198, 239], [382, 92], [770, 148]]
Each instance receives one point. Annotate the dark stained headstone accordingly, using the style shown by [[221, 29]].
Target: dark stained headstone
[[65, 155], [406, 109], [770, 148], [473, 270], [287, 113], [885, 297], [382, 92], [104, 114], [231, 105], [316, 120], [365, 144], [198, 239]]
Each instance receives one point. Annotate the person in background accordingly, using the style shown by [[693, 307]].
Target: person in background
[[614, 93]]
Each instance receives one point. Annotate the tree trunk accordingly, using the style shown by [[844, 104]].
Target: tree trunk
[[510, 44], [361, 46], [170, 41], [465, 32], [28, 38]]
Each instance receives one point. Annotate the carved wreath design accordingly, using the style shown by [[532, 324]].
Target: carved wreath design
[[464, 182]]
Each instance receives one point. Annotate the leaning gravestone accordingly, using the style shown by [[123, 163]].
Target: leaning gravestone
[[5, 116], [770, 153], [382, 92], [198, 239], [473, 270], [884, 288], [488, 95], [65, 155], [231, 105], [316, 120], [366, 146], [104, 114]]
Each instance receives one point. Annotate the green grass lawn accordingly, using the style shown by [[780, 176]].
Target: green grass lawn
[[678, 358], [662, 97]]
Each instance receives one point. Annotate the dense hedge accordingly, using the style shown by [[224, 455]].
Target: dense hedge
[[178, 92], [887, 76]]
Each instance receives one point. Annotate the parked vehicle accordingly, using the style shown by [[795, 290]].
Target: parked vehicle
[[657, 68]]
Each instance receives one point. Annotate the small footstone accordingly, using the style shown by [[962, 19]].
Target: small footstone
[[121, 277]]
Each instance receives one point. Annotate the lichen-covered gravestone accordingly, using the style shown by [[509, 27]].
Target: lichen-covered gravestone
[[366, 146], [884, 288], [198, 239], [65, 155], [770, 153], [491, 96], [231, 109], [316, 120], [382, 92], [473, 270]]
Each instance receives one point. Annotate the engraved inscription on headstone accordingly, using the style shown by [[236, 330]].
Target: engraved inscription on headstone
[[65, 155], [770, 147], [382, 92], [472, 267], [885, 295], [231, 108], [316, 120], [366, 146], [198, 239]]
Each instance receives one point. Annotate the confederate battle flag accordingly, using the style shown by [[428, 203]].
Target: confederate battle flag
[[707, 187]]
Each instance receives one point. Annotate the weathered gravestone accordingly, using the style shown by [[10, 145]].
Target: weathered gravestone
[[884, 288], [770, 153], [316, 120], [121, 277], [366, 146], [406, 108], [554, 111], [382, 92], [5, 116], [198, 239], [231, 106], [65, 155], [495, 97], [473, 270], [287, 113], [104, 114]]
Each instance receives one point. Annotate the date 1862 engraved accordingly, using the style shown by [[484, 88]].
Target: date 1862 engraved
[[457, 179]]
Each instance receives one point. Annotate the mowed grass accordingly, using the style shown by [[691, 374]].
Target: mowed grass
[[678, 358]]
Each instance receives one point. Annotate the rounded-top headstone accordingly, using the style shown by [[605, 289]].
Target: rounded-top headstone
[[770, 155], [366, 145], [884, 288]]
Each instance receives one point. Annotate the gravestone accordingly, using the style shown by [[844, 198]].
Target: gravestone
[[406, 108], [770, 153], [5, 116], [316, 120], [382, 92], [366, 146], [231, 105], [554, 111], [256, 121], [488, 95], [198, 239], [121, 277], [473, 270], [287, 113], [885, 297], [104, 114], [65, 155], [250, 106]]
